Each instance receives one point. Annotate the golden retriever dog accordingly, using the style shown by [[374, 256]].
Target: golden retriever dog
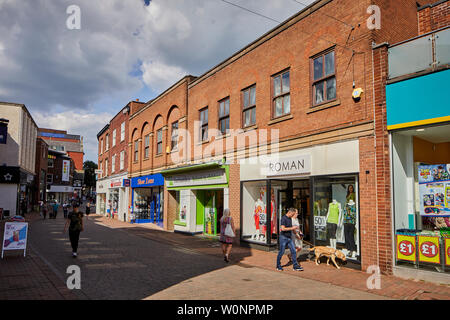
[[331, 253]]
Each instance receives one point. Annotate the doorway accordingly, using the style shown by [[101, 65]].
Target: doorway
[[211, 203]]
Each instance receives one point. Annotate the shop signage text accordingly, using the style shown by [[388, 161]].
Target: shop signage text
[[208, 177], [147, 181], [289, 166]]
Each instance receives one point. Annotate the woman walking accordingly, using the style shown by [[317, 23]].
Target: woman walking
[[227, 234], [75, 219]]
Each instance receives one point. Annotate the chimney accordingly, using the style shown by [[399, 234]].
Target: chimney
[[137, 100]]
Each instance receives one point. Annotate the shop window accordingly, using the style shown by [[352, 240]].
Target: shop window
[[204, 124], [336, 214], [421, 184], [148, 204], [224, 116], [249, 107], [159, 141], [281, 87], [323, 78]]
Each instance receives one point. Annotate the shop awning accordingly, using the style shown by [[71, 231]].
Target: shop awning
[[210, 165]]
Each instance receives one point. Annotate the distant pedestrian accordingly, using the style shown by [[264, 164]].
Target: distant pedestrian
[[285, 239], [65, 209], [55, 209], [227, 234], [296, 236], [75, 223], [88, 209], [44, 209]]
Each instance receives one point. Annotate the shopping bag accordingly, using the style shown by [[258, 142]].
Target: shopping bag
[[229, 231]]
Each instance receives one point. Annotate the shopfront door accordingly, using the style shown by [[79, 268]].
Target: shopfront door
[[211, 201]]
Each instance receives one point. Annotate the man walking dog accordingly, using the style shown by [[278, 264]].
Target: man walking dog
[[286, 239]]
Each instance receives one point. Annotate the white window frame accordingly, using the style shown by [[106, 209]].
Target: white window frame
[[122, 132], [114, 138], [113, 163], [122, 160], [107, 143], [106, 167]]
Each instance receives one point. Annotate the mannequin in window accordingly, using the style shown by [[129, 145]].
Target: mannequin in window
[[258, 213], [334, 218], [349, 227]]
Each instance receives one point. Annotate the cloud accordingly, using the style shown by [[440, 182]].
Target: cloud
[[85, 124], [159, 76]]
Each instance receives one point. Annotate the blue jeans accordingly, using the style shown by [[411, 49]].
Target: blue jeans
[[283, 240]]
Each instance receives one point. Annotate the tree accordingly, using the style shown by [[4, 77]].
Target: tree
[[89, 174]]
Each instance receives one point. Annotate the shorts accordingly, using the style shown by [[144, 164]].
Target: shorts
[[331, 230]]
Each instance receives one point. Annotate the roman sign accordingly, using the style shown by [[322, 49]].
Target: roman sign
[[289, 166]]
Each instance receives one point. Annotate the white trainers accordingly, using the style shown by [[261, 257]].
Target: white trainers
[[74, 254]]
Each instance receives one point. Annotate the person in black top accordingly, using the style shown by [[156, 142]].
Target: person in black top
[[75, 219], [285, 239]]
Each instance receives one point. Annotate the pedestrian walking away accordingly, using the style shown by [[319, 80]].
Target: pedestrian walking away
[[285, 239], [55, 209], [44, 209], [75, 223], [65, 209], [227, 234]]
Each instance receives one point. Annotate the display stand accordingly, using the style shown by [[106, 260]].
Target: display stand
[[15, 237]]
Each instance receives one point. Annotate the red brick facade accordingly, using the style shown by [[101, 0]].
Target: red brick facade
[[338, 26], [434, 16]]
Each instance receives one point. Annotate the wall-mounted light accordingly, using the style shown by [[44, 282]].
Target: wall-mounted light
[[356, 94]]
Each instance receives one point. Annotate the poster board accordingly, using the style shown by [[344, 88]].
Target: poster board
[[434, 190], [406, 248], [15, 237], [447, 251], [429, 250]]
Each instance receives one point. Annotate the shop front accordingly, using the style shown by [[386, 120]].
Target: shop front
[[320, 182], [60, 193], [420, 150], [147, 198], [198, 195], [117, 198], [101, 189]]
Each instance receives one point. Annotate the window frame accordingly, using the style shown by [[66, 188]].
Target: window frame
[[106, 167], [224, 117], [49, 175], [282, 94], [203, 125], [113, 163], [107, 142], [122, 160], [114, 137], [52, 161], [324, 77], [172, 136], [244, 108], [147, 146], [136, 151], [159, 142], [122, 132]]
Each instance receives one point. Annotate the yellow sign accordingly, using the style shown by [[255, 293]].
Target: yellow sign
[[429, 249], [447, 251], [406, 248]]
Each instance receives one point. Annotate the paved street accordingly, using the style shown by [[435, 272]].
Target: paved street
[[118, 264]]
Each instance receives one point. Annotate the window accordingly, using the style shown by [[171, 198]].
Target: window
[[146, 146], [114, 138], [122, 160], [249, 107], [122, 131], [51, 163], [159, 139], [174, 136], [101, 174], [49, 178], [281, 94], [106, 167], [113, 163], [324, 78], [204, 124], [136, 151], [224, 116], [101, 146], [107, 143]]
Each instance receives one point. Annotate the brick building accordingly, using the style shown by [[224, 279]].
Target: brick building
[[40, 180], [295, 119], [60, 176], [113, 183], [409, 77]]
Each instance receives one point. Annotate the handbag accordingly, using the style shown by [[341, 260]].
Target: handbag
[[229, 231]]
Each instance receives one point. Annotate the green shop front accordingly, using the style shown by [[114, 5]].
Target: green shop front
[[198, 194]]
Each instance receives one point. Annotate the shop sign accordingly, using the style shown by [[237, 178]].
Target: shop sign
[[429, 249], [126, 183], [9, 175], [406, 248], [447, 251], [148, 181], [434, 190], [116, 183], [300, 164], [208, 177], [65, 170]]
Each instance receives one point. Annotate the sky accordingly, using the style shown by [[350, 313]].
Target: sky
[[78, 79]]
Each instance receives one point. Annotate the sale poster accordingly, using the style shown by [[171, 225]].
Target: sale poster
[[406, 248], [15, 236], [429, 249], [434, 189]]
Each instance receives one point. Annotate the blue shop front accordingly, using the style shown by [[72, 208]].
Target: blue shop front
[[147, 199]]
